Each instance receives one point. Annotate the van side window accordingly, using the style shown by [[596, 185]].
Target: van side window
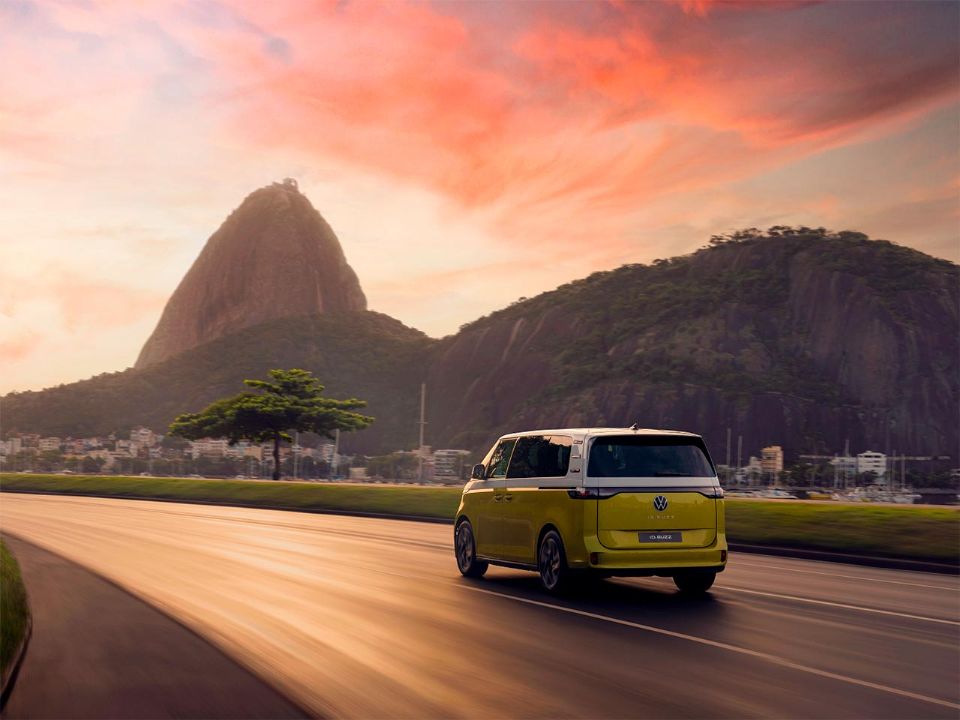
[[500, 458], [541, 456], [560, 446]]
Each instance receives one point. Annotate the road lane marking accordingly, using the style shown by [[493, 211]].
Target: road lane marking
[[840, 575], [845, 606], [774, 659]]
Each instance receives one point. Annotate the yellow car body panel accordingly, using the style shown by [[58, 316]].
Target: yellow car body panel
[[623, 517]]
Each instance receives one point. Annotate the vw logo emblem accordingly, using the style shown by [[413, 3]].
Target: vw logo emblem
[[660, 503]]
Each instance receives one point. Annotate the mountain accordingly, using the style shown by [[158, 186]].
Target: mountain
[[801, 338], [356, 354], [273, 257]]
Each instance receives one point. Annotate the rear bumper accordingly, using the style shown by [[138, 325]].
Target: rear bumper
[[654, 561]]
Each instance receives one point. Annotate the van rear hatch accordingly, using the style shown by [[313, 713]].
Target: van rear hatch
[[655, 491]]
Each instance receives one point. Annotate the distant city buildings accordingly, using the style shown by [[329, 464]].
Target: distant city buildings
[[845, 465], [146, 450], [144, 436], [749, 474], [448, 464], [208, 447], [771, 461], [49, 444], [849, 466], [874, 462]]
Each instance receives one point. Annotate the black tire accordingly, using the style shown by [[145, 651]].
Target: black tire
[[695, 582], [555, 576], [465, 548]]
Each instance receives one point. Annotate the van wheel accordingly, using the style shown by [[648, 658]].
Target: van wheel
[[695, 582], [466, 550], [555, 576]]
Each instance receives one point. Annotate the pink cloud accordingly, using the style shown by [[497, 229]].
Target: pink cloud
[[91, 303], [570, 136], [599, 115], [20, 346]]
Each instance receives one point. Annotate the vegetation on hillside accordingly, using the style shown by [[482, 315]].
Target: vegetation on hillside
[[723, 318], [678, 302], [359, 353]]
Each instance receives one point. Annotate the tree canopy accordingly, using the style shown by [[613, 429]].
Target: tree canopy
[[292, 400]]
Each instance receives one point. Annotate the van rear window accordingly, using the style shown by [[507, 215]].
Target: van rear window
[[648, 456]]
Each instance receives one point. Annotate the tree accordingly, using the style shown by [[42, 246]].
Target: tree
[[91, 465], [292, 400], [396, 466]]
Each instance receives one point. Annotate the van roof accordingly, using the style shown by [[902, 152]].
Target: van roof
[[583, 433]]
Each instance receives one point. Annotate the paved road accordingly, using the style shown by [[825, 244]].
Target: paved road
[[98, 652], [362, 617]]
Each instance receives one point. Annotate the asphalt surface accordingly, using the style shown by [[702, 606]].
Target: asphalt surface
[[361, 617], [98, 652]]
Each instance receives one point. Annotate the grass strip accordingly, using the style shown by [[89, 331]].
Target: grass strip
[[905, 532], [435, 502], [894, 531], [14, 612]]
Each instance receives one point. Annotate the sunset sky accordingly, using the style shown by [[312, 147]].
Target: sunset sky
[[466, 154]]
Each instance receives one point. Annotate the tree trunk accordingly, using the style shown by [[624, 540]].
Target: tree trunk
[[276, 456]]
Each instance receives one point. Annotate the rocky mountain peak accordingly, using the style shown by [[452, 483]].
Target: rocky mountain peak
[[273, 257]]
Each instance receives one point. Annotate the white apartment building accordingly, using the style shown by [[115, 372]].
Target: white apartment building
[[208, 447], [237, 450], [11, 446], [771, 460], [874, 462], [48, 443], [145, 437], [127, 447], [448, 464]]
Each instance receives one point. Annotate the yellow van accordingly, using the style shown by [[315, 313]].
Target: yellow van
[[595, 502]]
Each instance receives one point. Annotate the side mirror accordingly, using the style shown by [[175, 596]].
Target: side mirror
[[478, 472]]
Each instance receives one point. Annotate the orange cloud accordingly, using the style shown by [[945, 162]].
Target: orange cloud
[[565, 137], [19, 347], [602, 117], [90, 303]]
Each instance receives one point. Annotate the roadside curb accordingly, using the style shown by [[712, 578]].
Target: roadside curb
[[780, 551], [10, 677]]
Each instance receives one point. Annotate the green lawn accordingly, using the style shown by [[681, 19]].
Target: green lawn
[[436, 502], [921, 533], [13, 608], [901, 531]]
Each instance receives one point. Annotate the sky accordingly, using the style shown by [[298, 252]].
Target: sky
[[466, 154]]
